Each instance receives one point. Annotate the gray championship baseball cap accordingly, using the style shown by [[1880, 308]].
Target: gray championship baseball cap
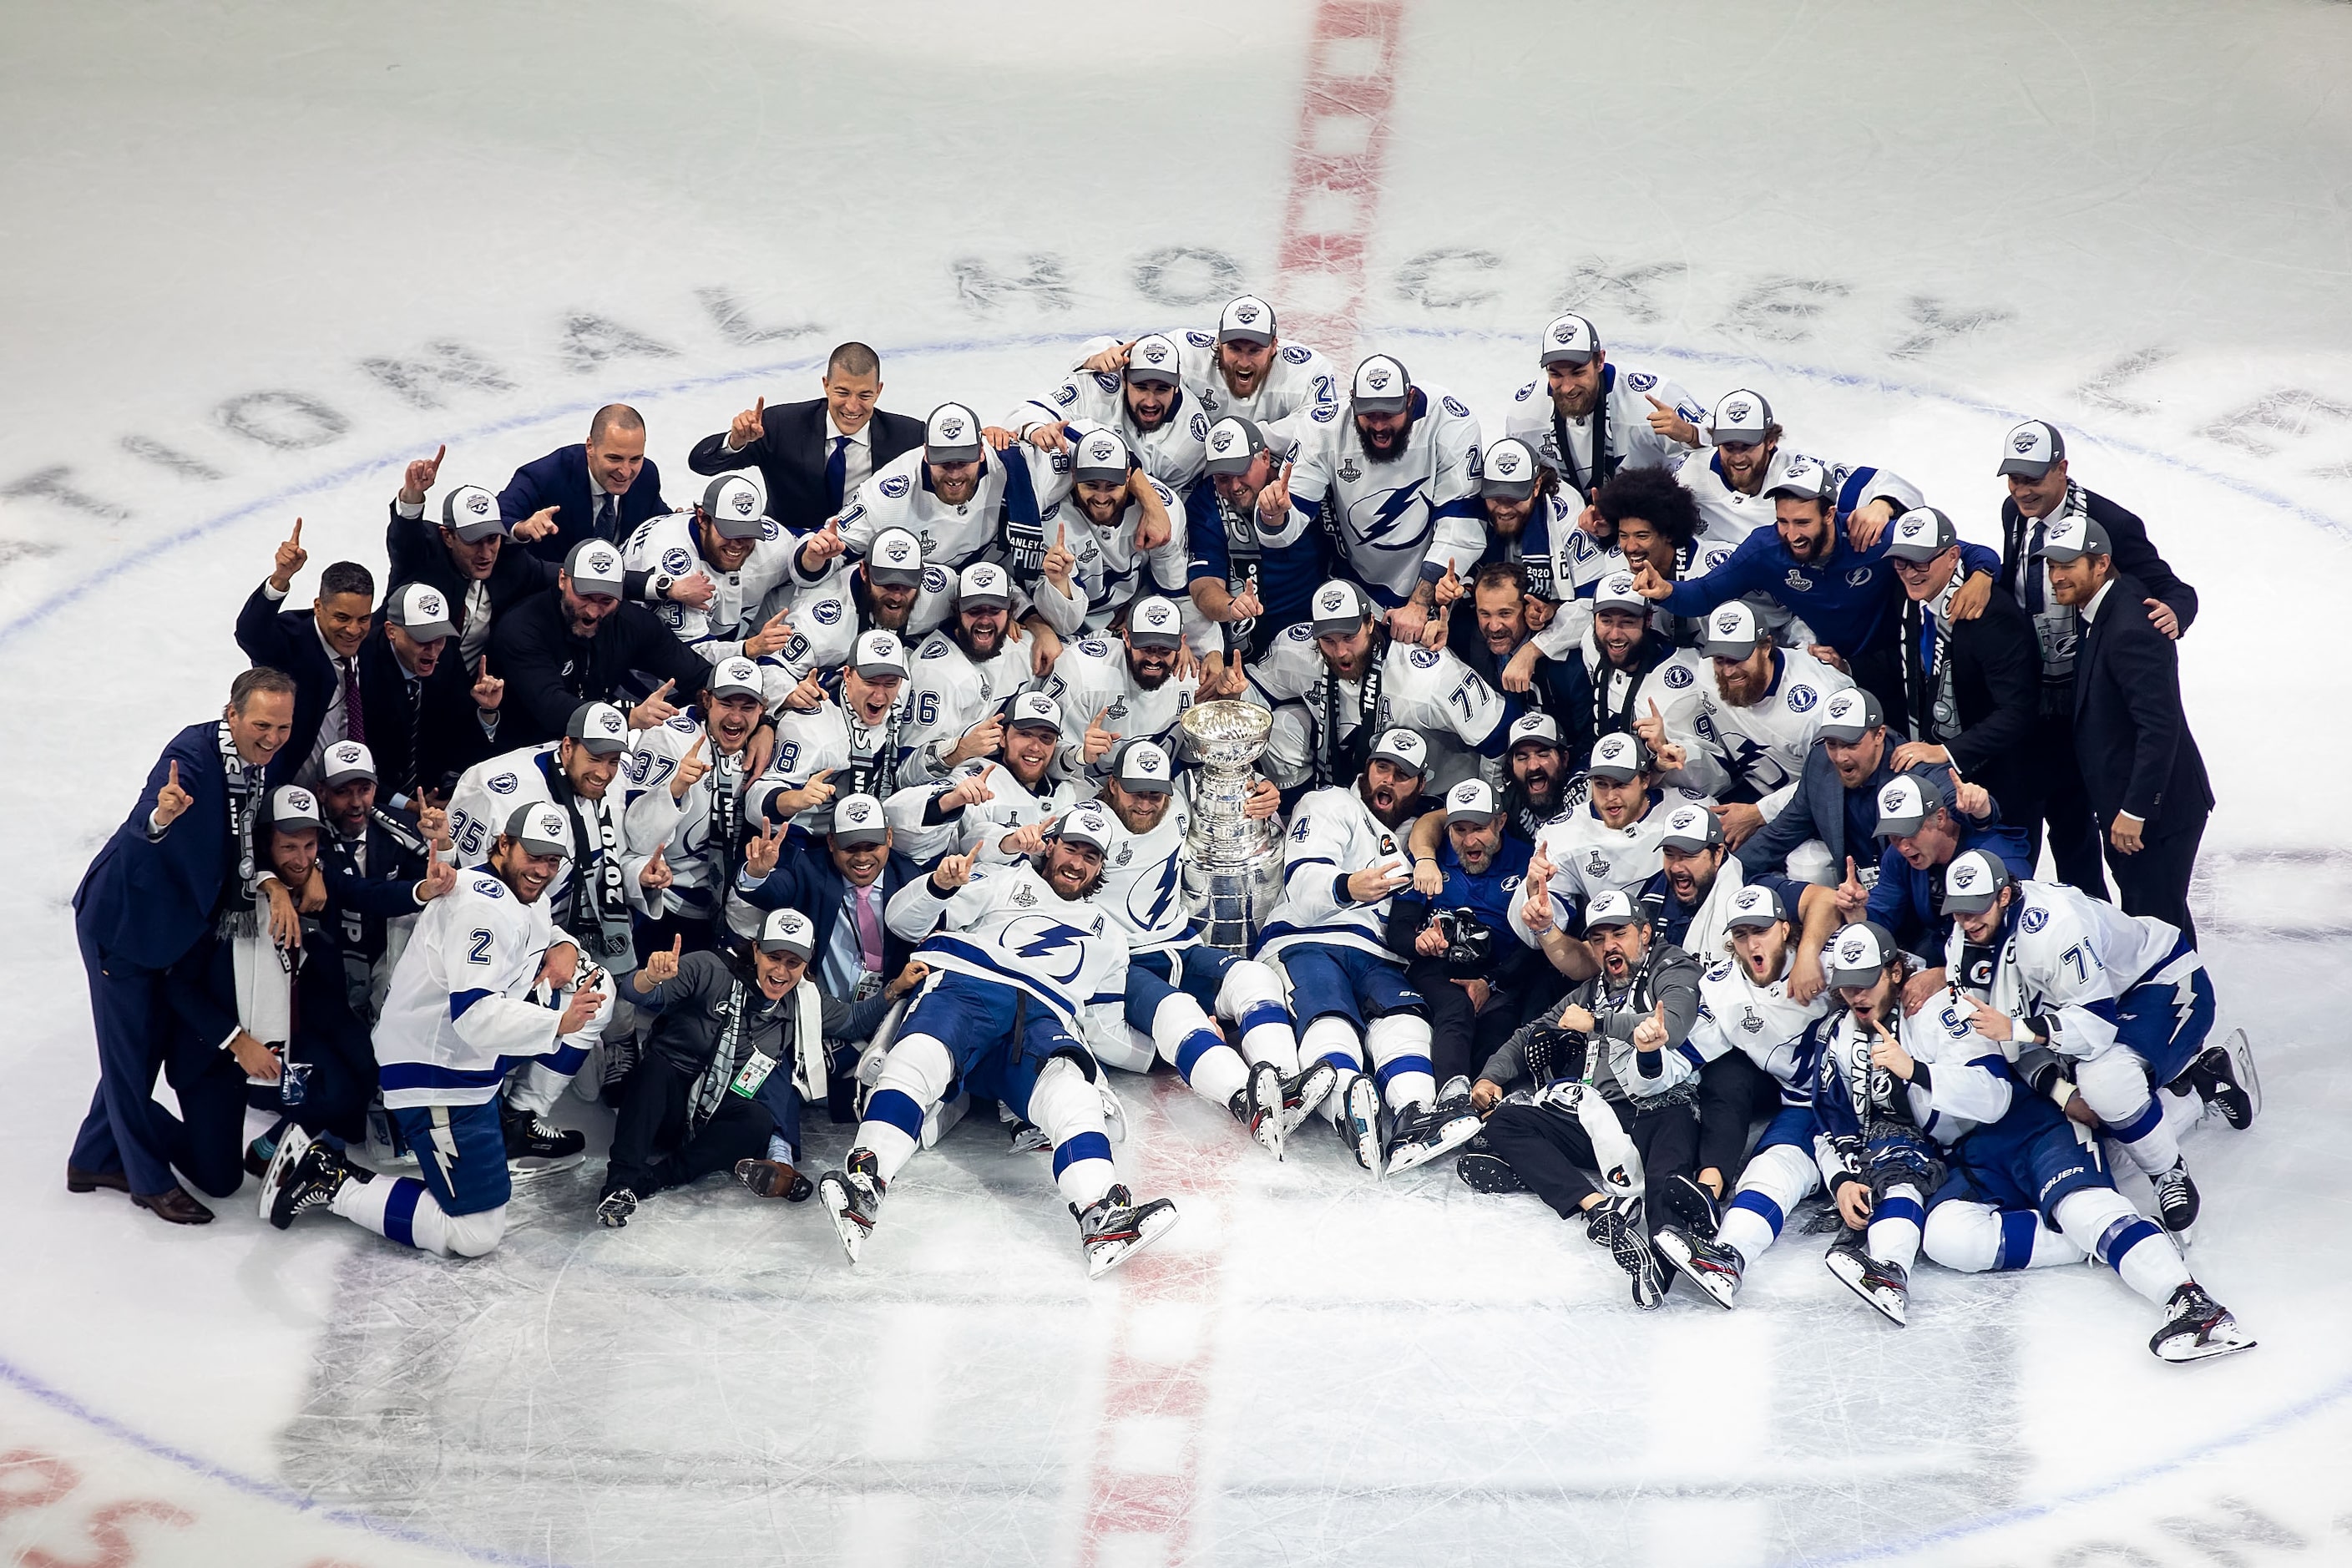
[[951, 434], [2030, 449], [1142, 767], [1472, 800], [1615, 592], [983, 585], [878, 654], [1909, 799], [1973, 881], [1858, 954], [1508, 469], [896, 560], [1234, 441], [1921, 534], [1249, 319], [421, 611], [1806, 478], [599, 726], [1730, 631], [1754, 908], [1402, 748], [1154, 358], [1339, 607], [293, 808], [1155, 622], [858, 819], [1034, 710], [345, 761], [1569, 340], [595, 567], [1741, 418], [1620, 758], [788, 931], [1614, 908], [1382, 386], [541, 829], [733, 505], [1086, 822], [2072, 538], [1100, 455], [1533, 730], [1849, 715], [736, 677], [1690, 829], [471, 514]]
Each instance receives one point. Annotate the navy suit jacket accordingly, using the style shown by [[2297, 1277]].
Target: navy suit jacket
[[288, 640], [790, 455], [1818, 811], [2135, 555], [149, 903], [2130, 733], [560, 480], [806, 880]]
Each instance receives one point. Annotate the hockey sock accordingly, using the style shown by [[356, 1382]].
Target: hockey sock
[[1975, 1238], [1251, 998], [1189, 1041], [1066, 1109], [1398, 1044], [398, 1208], [1895, 1227], [1777, 1180], [2102, 1222], [1332, 1038], [2115, 1086], [914, 1075]]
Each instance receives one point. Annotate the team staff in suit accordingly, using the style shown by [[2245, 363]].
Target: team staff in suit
[[580, 644], [815, 455], [426, 731], [600, 489], [2141, 768], [2033, 461], [159, 885], [319, 648]]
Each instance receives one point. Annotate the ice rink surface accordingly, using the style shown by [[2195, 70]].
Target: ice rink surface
[[261, 254]]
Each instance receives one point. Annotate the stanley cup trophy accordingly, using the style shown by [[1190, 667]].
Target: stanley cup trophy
[[1232, 863]]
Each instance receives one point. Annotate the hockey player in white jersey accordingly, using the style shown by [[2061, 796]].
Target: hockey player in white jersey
[[1113, 689], [1611, 842], [964, 672], [995, 811], [1176, 984], [683, 786], [1339, 678], [2080, 994], [1396, 482], [1530, 523], [857, 746], [1728, 481], [1018, 955], [729, 540], [890, 590], [1343, 863], [1245, 371], [1589, 417], [1144, 402], [1756, 720], [1116, 532], [486, 985]]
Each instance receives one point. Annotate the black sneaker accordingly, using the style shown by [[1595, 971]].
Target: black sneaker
[[774, 1179], [1622, 1221], [1693, 1207], [1483, 1172]]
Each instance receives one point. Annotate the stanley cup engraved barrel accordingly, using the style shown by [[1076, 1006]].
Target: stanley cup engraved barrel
[[1232, 864]]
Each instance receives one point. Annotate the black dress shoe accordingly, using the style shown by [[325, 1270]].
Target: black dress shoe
[[175, 1205], [81, 1181]]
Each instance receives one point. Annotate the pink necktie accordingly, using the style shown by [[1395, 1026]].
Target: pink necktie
[[870, 932]]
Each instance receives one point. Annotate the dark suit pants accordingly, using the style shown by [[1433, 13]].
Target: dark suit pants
[[651, 1149], [1734, 1095], [2073, 831], [1462, 1037], [1549, 1151], [127, 1130], [2156, 881]]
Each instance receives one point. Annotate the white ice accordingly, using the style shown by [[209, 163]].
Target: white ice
[[229, 225]]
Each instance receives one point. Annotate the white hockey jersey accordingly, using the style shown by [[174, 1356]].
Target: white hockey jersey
[[863, 761], [460, 1014], [1091, 678], [825, 623], [487, 793], [1333, 835], [1779, 1035], [688, 828], [1110, 570], [1763, 745], [1624, 409], [1589, 857], [1427, 689], [2067, 958], [950, 693], [1175, 452], [1391, 520], [1009, 926], [1143, 882], [1300, 388], [669, 546], [1969, 1086], [999, 523]]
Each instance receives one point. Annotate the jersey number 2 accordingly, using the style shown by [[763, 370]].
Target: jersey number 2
[[478, 946]]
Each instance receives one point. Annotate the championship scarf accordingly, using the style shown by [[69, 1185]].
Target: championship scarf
[[241, 914], [1244, 553], [598, 914], [1337, 760], [1586, 483], [878, 775]]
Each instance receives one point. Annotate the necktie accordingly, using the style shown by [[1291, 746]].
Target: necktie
[[608, 516], [415, 713], [869, 932], [354, 721], [837, 471], [2033, 569]]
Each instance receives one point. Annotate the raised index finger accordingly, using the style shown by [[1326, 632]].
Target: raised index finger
[[175, 774], [297, 538]]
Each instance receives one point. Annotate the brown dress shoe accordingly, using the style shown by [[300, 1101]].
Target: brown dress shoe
[[175, 1205], [81, 1181], [774, 1179]]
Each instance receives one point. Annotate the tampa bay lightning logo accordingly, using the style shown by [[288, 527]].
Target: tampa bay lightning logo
[[935, 580], [2034, 920], [1107, 381], [1423, 658], [504, 783], [1200, 425], [894, 486], [1641, 381], [675, 561], [1326, 413], [1296, 354], [1201, 340], [770, 528], [825, 611], [1057, 949], [1455, 407], [1148, 900], [1801, 699], [1677, 677], [1396, 519], [1857, 577]]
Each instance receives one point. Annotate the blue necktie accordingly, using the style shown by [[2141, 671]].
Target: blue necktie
[[2033, 570], [837, 470]]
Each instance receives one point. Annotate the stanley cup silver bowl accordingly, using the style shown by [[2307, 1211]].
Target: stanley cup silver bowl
[[1232, 864]]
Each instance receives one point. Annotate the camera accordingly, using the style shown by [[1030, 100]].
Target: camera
[[1469, 941]]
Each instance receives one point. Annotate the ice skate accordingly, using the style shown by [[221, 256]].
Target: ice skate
[[853, 1196], [1886, 1286], [1258, 1106], [1359, 1122], [303, 1175], [2176, 1200], [1712, 1266], [1304, 1091], [2224, 1075], [537, 1147], [1115, 1227], [2197, 1327], [1425, 1132]]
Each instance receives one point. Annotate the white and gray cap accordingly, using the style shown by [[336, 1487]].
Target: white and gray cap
[[1402, 748], [1569, 339], [600, 727], [736, 677], [1690, 828], [2030, 449], [1614, 906], [1620, 758], [1740, 417], [1754, 907], [1849, 715], [1248, 318], [951, 434], [1472, 800], [1233, 443], [1805, 478], [1155, 622], [1034, 710], [1858, 954], [877, 654], [292, 807], [1908, 800], [1730, 631], [1339, 607], [983, 585], [1101, 456], [541, 828], [2074, 536], [1154, 357], [1533, 730], [595, 567], [858, 819], [732, 503], [1921, 534], [788, 931], [1973, 881], [1382, 386], [1510, 470], [1142, 767], [345, 761], [421, 611], [1086, 822], [471, 514], [1615, 592], [896, 560]]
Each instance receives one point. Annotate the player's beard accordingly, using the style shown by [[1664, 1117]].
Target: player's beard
[[1150, 676], [1392, 451], [1561, 402], [1738, 688], [970, 638], [1400, 802], [1055, 880]]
